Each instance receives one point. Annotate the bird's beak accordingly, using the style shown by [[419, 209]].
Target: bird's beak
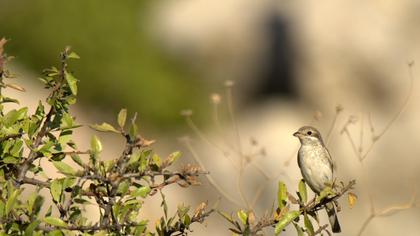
[[296, 134]]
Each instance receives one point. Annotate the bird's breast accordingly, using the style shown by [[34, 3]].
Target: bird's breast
[[315, 166]]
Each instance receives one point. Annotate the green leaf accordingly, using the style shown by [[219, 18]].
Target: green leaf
[[123, 187], [65, 137], [2, 206], [56, 232], [56, 189], [141, 192], [2, 179], [73, 55], [68, 182], [282, 195], [122, 117], [21, 113], [76, 158], [308, 225], [71, 81], [182, 211], [34, 203], [46, 149], [31, 227], [243, 216], [66, 121], [95, 144], [298, 229], [10, 160], [104, 127], [140, 228], [13, 116], [109, 165], [303, 193], [55, 221], [144, 160], [173, 157], [286, 220], [187, 220], [11, 201], [134, 158], [134, 130], [17, 147], [64, 168], [156, 160], [7, 99]]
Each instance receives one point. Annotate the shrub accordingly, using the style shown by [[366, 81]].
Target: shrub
[[116, 187]]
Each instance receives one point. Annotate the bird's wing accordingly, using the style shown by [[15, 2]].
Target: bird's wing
[[298, 160], [332, 162]]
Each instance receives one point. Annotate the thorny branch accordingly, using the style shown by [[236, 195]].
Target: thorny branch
[[310, 208], [45, 125]]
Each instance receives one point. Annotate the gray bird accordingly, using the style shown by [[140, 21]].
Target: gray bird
[[316, 166]]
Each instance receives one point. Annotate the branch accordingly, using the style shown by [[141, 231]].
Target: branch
[[311, 207]]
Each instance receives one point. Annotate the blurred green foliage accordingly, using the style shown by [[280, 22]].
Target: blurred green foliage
[[123, 64]]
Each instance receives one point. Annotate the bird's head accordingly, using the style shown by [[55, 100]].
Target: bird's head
[[309, 135]]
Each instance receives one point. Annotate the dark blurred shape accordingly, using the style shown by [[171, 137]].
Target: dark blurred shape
[[277, 75]]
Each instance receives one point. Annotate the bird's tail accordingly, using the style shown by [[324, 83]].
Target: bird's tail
[[332, 216]]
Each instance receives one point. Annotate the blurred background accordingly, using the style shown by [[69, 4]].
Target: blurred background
[[291, 62]]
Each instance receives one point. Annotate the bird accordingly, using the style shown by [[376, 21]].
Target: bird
[[317, 167]]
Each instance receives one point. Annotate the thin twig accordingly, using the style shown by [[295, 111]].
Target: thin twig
[[397, 115], [209, 177]]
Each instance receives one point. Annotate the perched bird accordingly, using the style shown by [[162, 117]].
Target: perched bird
[[316, 166]]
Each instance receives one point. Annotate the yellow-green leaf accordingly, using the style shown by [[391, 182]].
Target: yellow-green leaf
[[308, 225], [141, 192], [351, 198], [285, 220], [282, 195], [173, 157], [56, 189], [31, 227], [72, 82], [134, 158], [242, 216], [76, 159], [55, 221], [104, 127], [298, 229], [123, 187], [11, 201], [73, 55], [156, 160], [64, 168], [122, 117], [303, 193], [95, 144]]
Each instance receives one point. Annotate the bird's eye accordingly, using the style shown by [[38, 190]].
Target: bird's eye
[[309, 132]]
